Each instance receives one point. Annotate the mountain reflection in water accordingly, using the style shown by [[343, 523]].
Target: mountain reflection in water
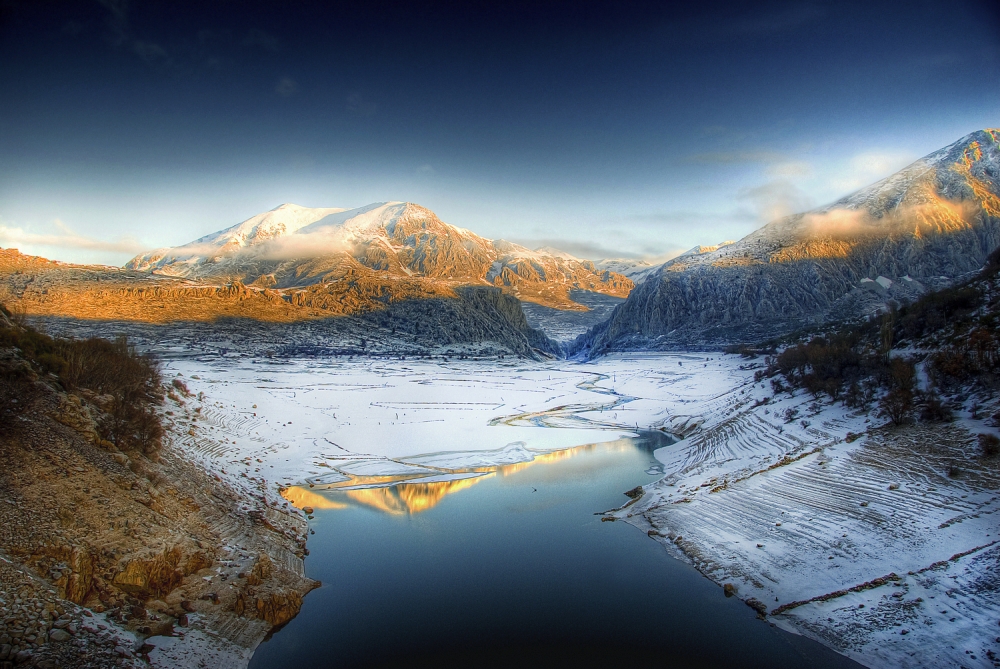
[[409, 494], [516, 571]]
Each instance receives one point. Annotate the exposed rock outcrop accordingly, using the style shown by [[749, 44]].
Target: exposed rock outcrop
[[423, 312], [86, 528]]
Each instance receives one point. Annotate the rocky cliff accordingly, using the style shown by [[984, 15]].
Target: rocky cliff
[[933, 221], [167, 553]]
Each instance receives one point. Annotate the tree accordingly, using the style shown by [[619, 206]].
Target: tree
[[896, 405]]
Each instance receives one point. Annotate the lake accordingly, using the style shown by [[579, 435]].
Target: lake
[[513, 568]]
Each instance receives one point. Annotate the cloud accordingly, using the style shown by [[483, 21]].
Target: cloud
[[791, 168], [261, 39], [594, 251], [65, 239], [313, 245], [120, 34], [687, 219], [863, 169], [286, 87], [927, 217], [775, 200], [117, 20], [735, 157], [836, 224], [580, 249], [425, 169]]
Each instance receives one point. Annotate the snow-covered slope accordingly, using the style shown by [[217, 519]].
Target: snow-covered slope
[[931, 222], [635, 269], [292, 246], [283, 220], [698, 250]]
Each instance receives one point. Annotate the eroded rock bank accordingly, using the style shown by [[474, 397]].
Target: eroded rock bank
[[115, 558]]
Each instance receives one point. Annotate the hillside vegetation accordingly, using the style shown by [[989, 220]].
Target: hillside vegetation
[[100, 512], [924, 360]]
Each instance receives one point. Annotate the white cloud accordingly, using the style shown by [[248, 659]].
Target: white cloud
[[790, 169], [15, 237], [775, 200], [863, 169]]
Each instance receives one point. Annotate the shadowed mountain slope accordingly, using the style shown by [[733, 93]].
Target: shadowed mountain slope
[[920, 228]]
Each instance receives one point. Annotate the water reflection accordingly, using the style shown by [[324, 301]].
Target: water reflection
[[516, 571], [408, 498], [406, 494]]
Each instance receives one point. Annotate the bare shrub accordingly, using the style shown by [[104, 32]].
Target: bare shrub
[[896, 405], [18, 392], [131, 379], [934, 410], [989, 445], [181, 387]]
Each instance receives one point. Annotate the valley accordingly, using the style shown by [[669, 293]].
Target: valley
[[836, 527], [380, 360]]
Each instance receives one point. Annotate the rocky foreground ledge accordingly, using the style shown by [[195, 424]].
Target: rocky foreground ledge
[[112, 559]]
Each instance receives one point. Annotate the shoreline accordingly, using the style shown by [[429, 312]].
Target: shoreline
[[113, 559], [833, 526], [879, 501]]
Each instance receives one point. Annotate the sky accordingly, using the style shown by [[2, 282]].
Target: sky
[[606, 129]]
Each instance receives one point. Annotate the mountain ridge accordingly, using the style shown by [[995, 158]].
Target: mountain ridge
[[301, 247], [933, 221]]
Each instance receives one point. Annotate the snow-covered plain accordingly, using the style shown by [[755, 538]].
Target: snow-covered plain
[[789, 511]]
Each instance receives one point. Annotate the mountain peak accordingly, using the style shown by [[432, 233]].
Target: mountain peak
[[382, 243], [933, 221]]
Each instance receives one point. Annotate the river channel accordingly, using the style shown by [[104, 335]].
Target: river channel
[[511, 567]]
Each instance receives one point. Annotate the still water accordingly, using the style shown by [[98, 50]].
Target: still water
[[514, 569]]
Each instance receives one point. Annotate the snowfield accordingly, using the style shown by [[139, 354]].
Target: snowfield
[[879, 542]]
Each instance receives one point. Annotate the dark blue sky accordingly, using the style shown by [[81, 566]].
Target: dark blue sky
[[604, 128]]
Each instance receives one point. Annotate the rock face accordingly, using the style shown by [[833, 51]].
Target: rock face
[[296, 247], [935, 220], [145, 541]]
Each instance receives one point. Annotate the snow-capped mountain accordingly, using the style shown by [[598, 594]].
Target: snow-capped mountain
[[293, 246], [935, 220], [280, 221]]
